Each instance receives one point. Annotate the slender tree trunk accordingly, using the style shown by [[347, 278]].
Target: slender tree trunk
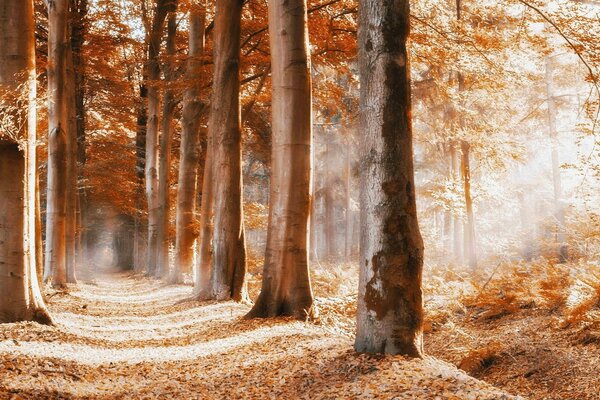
[[20, 295], [348, 233], [56, 209], [186, 231], [469, 228], [286, 288], [39, 245], [78, 31], [456, 221], [71, 152], [203, 267], [140, 222], [390, 309], [226, 278], [556, 181], [164, 199], [152, 145]]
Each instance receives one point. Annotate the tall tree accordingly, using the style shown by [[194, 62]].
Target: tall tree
[[390, 309], [226, 277], [71, 154], [168, 111], [56, 209], [556, 180], [161, 9], [20, 295], [286, 288], [190, 148]]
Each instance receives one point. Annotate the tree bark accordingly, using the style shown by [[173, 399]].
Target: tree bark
[[226, 277], [20, 295], [390, 309], [56, 209], [78, 34], [164, 199], [286, 288], [161, 10], [71, 153], [186, 231], [556, 181], [469, 228]]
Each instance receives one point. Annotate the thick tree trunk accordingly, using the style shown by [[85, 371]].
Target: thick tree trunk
[[20, 295], [390, 309], [164, 199], [152, 146], [55, 257], [186, 231], [228, 266], [286, 288]]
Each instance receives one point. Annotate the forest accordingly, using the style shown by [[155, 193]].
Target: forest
[[300, 199]]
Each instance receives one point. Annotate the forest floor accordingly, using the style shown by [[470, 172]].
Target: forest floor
[[532, 329], [131, 337]]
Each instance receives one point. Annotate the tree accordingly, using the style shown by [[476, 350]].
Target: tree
[[169, 103], [161, 9], [20, 295], [390, 309], [55, 257], [286, 288], [225, 277], [190, 148]]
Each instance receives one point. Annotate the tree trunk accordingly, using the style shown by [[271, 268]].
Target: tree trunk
[[152, 146], [556, 181], [286, 288], [164, 200], [78, 33], [140, 222], [469, 228], [56, 209], [456, 221], [186, 231], [390, 309], [226, 277], [20, 295], [71, 171], [348, 233]]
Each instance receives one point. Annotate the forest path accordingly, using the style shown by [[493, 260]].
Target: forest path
[[131, 337]]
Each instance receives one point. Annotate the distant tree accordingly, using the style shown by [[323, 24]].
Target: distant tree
[[286, 288], [20, 295], [390, 309]]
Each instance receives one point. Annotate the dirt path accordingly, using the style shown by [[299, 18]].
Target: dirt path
[[127, 337]]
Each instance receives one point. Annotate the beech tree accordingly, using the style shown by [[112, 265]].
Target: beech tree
[[168, 110], [224, 277], [186, 232], [390, 309], [286, 288], [20, 296], [161, 9], [58, 125]]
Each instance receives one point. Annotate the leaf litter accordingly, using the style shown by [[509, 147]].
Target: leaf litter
[[132, 337]]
